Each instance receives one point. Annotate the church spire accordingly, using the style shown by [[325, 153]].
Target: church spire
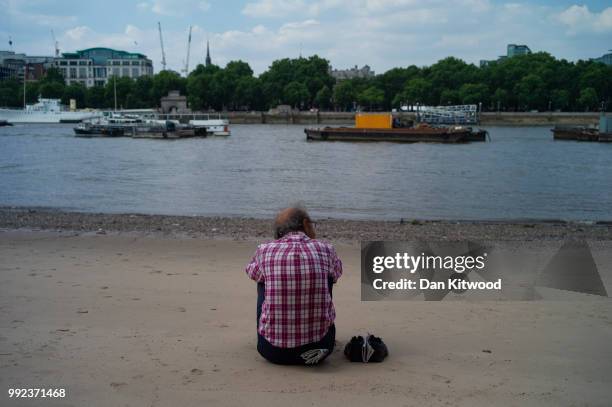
[[208, 61]]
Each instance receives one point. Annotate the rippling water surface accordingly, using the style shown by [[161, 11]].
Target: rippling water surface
[[521, 174]]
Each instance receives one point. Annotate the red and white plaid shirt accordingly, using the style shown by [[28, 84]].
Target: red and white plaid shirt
[[295, 269]]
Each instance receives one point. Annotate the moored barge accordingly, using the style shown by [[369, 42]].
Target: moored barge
[[381, 127], [601, 134]]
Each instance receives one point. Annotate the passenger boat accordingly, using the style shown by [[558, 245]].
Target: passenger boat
[[46, 111], [381, 127]]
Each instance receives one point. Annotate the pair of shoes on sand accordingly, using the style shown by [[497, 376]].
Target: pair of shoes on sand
[[365, 349]]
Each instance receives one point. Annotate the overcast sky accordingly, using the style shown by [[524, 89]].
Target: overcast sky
[[380, 33]]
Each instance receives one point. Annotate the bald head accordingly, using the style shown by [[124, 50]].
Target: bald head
[[294, 219]]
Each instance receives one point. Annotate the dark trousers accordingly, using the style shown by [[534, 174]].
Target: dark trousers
[[312, 353]]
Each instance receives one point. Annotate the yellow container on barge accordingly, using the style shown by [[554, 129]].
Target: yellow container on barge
[[373, 121]]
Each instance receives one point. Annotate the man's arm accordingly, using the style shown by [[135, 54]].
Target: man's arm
[[336, 265], [253, 270]]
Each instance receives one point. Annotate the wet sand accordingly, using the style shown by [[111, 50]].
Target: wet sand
[[163, 317]]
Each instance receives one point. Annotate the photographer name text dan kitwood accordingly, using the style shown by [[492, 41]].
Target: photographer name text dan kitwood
[[424, 284]]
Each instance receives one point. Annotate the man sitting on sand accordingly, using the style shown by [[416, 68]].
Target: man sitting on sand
[[294, 275]]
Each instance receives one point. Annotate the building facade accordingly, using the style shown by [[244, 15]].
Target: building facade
[[16, 66], [512, 50], [355, 72], [604, 59], [95, 66]]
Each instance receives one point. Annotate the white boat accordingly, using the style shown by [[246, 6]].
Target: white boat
[[214, 127], [214, 124], [45, 111]]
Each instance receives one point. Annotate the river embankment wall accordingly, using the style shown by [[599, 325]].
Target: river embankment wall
[[486, 118]]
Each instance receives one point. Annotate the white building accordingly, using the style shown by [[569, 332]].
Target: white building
[[364, 72], [94, 66]]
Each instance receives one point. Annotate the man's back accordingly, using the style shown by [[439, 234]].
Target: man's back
[[295, 269]]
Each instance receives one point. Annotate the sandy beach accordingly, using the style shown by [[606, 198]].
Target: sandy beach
[[164, 315]]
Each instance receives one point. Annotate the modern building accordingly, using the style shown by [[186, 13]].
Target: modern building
[[605, 58], [15, 66], [512, 50], [364, 72], [95, 66]]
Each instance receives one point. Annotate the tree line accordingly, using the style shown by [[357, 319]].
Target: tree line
[[522, 83]]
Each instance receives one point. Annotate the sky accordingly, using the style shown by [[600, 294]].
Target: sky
[[380, 33]]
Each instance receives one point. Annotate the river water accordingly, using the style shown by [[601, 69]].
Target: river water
[[521, 174]]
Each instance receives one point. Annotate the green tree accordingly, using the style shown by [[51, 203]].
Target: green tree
[[75, 91], [53, 90], [417, 90], [560, 99], [450, 97], [296, 94], [500, 99], [344, 95], [94, 97], [474, 93], [531, 93], [323, 99], [371, 97], [123, 86], [10, 92], [588, 99], [165, 81]]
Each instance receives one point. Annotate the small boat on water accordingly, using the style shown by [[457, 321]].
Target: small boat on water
[[132, 125], [5, 123], [382, 127], [603, 133], [111, 125]]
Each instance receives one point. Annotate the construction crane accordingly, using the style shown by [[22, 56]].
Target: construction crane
[[56, 44], [186, 69], [161, 41]]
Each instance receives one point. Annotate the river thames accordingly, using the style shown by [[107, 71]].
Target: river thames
[[521, 174]]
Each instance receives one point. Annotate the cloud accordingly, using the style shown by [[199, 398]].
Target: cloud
[[279, 8], [14, 9], [174, 8], [380, 33], [581, 19]]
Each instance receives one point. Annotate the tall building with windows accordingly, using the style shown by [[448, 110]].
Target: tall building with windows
[[16, 66], [95, 66], [512, 50], [604, 59]]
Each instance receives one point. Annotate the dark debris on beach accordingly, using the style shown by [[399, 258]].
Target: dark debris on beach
[[330, 229]]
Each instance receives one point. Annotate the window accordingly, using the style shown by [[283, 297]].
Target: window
[[99, 72], [64, 63], [73, 62], [135, 73], [73, 72], [82, 72], [126, 72]]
